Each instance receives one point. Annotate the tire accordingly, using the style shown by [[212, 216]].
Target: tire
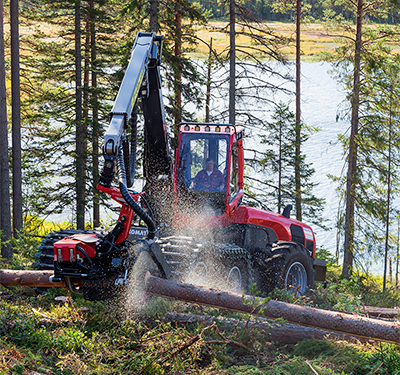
[[223, 273], [287, 266], [200, 273], [136, 293], [236, 277]]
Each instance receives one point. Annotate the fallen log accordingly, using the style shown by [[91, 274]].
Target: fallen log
[[287, 333], [307, 316], [28, 278], [381, 312]]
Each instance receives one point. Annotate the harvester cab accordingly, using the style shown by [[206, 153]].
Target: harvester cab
[[208, 176]]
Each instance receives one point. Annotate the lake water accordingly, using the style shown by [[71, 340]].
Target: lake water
[[321, 98]]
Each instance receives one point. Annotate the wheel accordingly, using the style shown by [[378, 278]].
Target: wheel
[[200, 274], [296, 278], [223, 266], [287, 266], [236, 277], [136, 291]]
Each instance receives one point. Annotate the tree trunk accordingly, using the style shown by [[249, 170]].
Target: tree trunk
[[28, 278], [208, 87], [297, 167], [397, 253], [5, 218], [178, 74], [95, 122], [381, 312], [284, 334], [232, 63], [352, 161], [86, 77], [16, 120], [388, 197], [308, 316], [280, 170], [80, 126], [85, 92], [153, 16]]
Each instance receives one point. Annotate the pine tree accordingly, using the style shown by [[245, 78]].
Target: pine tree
[[279, 161], [350, 62], [16, 120], [5, 213], [55, 109]]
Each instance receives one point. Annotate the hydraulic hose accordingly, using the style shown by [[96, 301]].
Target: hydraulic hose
[[128, 199], [130, 150]]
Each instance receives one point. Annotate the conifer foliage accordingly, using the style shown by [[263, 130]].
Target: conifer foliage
[[280, 142], [68, 77], [364, 64]]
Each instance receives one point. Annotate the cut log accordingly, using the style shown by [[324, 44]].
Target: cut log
[[381, 312], [303, 315], [287, 333], [28, 278]]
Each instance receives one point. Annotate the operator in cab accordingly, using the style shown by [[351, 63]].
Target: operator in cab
[[209, 179]]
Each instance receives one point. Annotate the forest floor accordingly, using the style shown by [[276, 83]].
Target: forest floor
[[58, 333]]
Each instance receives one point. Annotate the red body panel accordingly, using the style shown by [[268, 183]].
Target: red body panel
[[278, 223], [68, 251], [233, 213]]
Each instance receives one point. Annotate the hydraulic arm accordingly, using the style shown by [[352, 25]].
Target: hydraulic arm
[[141, 80]]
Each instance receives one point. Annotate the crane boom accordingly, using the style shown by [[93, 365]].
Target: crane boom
[[141, 80]]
